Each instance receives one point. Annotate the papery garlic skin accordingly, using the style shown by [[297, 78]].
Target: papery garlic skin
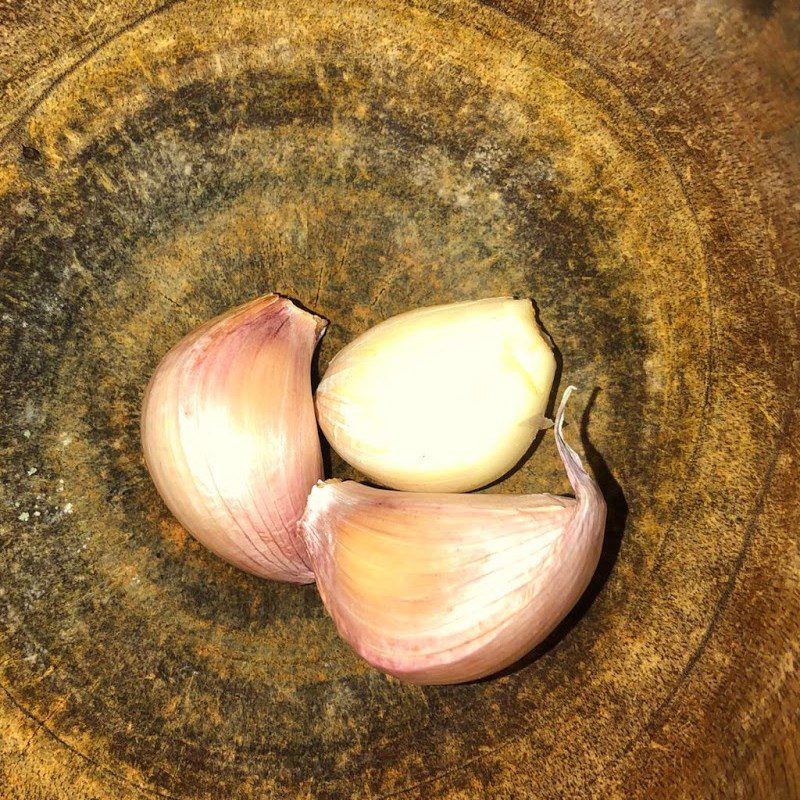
[[442, 588], [440, 399], [230, 437]]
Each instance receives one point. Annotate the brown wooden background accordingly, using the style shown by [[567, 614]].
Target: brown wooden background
[[631, 166]]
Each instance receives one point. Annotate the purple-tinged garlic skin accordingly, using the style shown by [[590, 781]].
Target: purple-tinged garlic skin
[[447, 588], [230, 436]]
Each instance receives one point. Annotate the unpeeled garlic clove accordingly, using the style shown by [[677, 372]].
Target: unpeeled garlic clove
[[230, 438], [441, 399], [438, 588]]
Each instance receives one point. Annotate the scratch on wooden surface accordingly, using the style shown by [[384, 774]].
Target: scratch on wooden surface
[[403, 265], [56, 708], [342, 251]]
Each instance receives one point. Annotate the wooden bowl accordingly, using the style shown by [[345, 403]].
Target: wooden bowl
[[631, 167]]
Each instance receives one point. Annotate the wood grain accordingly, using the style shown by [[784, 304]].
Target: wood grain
[[634, 168]]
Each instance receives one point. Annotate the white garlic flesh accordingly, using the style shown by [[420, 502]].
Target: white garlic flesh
[[441, 399], [230, 437], [443, 588]]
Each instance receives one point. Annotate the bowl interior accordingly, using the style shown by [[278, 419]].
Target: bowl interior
[[364, 161]]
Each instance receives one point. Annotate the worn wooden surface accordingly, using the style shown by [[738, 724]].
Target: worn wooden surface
[[632, 166]]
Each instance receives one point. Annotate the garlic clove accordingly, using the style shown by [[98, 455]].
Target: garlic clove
[[230, 437], [441, 399], [442, 588]]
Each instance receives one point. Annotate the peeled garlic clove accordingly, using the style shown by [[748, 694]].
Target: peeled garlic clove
[[230, 436], [441, 399], [438, 588]]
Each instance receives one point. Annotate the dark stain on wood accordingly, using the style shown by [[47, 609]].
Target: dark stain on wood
[[763, 8]]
